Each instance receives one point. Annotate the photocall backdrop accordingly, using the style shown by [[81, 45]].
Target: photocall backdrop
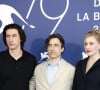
[[40, 18]]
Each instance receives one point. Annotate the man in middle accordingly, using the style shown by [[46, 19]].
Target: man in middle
[[55, 73]]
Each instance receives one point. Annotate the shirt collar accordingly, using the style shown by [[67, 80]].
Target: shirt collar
[[58, 64]]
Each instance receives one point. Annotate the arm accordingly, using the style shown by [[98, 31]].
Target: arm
[[74, 85], [77, 74], [32, 84]]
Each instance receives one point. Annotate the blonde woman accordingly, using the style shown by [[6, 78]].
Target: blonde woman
[[87, 75]]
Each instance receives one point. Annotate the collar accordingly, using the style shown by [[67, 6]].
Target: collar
[[58, 64]]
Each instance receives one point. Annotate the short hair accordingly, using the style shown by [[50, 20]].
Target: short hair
[[59, 36], [20, 32], [94, 33]]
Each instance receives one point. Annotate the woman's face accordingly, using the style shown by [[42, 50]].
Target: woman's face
[[91, 46]]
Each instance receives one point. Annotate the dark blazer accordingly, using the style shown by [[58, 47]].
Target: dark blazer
[[89, 80], [15, 75]]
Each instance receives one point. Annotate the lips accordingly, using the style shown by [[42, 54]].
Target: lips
[[11, 44], [52, 52], [88, 51]]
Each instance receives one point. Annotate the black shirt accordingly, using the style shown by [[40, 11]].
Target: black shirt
[[15, 75], [89, 80]]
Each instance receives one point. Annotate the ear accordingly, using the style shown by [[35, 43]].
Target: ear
[[99, 46], [62, 49]]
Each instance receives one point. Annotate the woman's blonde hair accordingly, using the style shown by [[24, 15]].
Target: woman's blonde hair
[[95, 33]]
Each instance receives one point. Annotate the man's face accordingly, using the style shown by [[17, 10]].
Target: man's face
[[13, 39], [54, 49]]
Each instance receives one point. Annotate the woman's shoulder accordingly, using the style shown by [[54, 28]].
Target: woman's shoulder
[[82, 62]]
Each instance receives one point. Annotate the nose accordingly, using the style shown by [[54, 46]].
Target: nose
[[52, 47], [10, 38]]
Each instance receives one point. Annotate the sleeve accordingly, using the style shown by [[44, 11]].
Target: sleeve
[[70, 81], [32, 84], [74, 86]]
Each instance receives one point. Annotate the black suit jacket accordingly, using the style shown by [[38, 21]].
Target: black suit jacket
[[88, 81]]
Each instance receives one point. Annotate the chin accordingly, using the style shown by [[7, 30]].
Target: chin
[[12, 48], [89, 55]]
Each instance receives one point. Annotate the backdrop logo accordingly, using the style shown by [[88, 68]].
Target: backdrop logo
[[95, 15], [59, 18], [5, 17]]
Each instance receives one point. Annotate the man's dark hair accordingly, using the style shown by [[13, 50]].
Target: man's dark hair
[[20, 32], [59, 36]]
